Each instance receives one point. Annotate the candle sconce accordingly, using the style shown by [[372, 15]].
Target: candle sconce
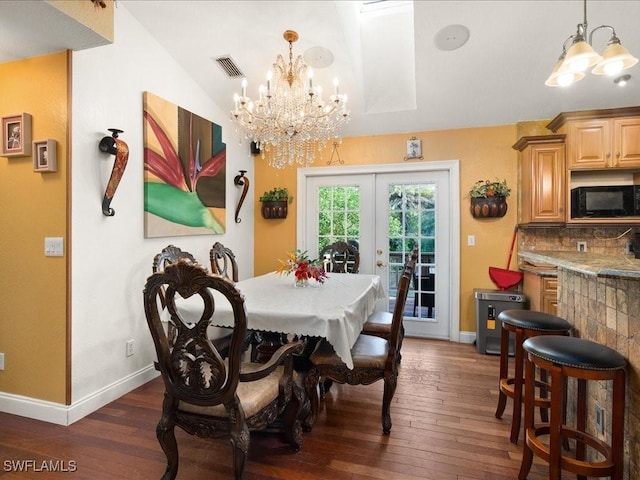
[[120, 149], [241, 180]]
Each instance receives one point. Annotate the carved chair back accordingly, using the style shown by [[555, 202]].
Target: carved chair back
[[192, 369], [341, 257], [395, 339], [169, 254], [223, 262]]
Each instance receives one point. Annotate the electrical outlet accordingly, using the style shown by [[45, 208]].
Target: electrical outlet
[[599, 419], [582, 246], [130, 348], [1, 361], [630, 248]]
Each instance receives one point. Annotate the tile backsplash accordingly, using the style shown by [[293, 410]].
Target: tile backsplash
[[602, 240]]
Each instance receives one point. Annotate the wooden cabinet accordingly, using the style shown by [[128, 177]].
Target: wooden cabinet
[[542, 292], [601, 139], [603, 144], [541, 179]]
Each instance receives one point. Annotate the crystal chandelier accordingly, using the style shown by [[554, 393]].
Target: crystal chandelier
[[290, 121]]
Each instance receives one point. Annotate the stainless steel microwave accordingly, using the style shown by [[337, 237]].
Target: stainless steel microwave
[[605, 202]]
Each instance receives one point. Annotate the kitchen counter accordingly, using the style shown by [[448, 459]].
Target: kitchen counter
[[544, 270], [592, 264], [599, 295]]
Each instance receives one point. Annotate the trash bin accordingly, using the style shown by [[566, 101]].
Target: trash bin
[[489, 303]]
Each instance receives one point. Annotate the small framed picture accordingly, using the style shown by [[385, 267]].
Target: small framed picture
[[414, 148], [44, 156], [16, 135]]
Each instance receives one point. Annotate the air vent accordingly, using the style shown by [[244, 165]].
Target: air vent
[[229, 66]]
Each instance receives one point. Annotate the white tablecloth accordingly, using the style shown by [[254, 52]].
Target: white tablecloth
[[335, 310]]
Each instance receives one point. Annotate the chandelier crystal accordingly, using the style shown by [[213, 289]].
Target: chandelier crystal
[[290, 121]]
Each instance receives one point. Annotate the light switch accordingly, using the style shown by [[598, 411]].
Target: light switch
[[53, 246], [471, 240]]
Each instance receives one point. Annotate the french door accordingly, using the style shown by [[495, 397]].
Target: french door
[[386, 212]]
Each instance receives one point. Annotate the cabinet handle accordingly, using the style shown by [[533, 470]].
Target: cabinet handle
[[618, 155], [609, 155]]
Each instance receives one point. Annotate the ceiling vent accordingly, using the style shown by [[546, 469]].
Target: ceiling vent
[[227, 64]]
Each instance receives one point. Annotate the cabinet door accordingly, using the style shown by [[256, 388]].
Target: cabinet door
[[550, 303], [547, 183], [589, 144], [626, 142]]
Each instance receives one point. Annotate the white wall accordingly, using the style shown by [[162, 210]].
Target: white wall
[[110, 257]]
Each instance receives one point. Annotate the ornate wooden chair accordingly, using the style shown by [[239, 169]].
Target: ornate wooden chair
[[374, 358], [223, 262], [204, 394], [379, 323], [221, 337], [341, 257]]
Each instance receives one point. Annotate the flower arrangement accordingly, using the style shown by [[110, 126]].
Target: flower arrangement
[[302, 267], [487, 188]]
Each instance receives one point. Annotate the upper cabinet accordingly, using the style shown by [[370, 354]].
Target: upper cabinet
[[541, 179], [601, 139]]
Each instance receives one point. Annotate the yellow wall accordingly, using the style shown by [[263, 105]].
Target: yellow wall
[[33, 288], [484, 153]]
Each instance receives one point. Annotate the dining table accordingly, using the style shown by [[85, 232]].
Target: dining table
[[335, 309]]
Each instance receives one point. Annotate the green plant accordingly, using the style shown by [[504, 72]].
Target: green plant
[[276, 194], [488, 188]]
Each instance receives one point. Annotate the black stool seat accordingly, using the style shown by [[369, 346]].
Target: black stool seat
[[574, 352], [533, 320]]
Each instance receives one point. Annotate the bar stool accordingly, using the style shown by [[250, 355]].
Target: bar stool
[[524, 324], [584, 360]]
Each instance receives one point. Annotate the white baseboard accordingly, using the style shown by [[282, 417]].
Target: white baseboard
[[67, 414], [467, 337]]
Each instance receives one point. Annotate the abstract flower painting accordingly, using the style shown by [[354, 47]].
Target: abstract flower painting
[[184, 171]]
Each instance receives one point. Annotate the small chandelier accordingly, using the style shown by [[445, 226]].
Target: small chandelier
[[581, 56], [290, 120]]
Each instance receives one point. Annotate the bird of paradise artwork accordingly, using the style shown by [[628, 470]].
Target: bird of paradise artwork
[[185, 170]]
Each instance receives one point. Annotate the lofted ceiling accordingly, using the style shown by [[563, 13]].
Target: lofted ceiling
[[386, 59]]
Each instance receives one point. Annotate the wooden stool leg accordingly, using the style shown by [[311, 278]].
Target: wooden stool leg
[[581, 420], [504, 369], [517, 387], [555, 424], [617, 424], [529, 408]]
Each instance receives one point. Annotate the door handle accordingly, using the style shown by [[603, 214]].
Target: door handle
[[380, 263]]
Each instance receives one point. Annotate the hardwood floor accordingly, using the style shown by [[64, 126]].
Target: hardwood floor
[[443, 429]]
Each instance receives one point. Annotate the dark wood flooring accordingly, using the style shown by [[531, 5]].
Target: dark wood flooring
[[443, 429]]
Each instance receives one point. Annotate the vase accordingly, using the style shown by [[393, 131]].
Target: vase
[[489, 207], [300, 282]]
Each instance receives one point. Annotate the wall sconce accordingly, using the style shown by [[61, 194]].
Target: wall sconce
[[241, 180], [120, 149]]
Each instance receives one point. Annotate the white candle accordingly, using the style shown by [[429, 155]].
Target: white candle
[[244, 87], [335, 85]]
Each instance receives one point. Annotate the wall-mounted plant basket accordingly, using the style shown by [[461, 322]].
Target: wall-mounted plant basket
[[489, 207], [274, 209], [275, 203]]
